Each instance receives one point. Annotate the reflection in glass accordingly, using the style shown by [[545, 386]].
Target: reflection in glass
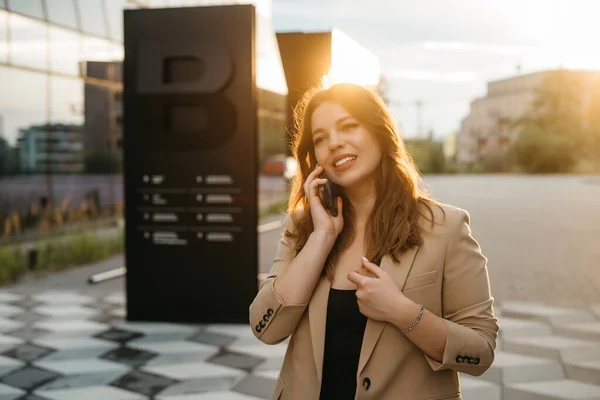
[[62, 12], [95, 49], [2, 4], [92, 17], [3, 38], [29, 7], [28, 42], [66, 101], [23, 102], [65, 51], [115, 19]]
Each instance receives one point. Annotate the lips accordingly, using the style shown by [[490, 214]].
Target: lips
[[341, 157]]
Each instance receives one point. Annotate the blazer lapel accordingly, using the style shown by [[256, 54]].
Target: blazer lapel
[[317, 316], [374, 328]]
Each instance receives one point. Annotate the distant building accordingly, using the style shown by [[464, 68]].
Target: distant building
[[487, 132], [55, 148]]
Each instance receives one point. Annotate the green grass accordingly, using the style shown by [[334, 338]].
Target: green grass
[[57, 255]]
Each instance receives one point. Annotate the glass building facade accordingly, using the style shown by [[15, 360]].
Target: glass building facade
[[61, 99]]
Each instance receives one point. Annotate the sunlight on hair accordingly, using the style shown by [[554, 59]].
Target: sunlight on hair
[[326, 81]]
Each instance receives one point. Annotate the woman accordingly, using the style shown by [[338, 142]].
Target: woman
[[389, 299]]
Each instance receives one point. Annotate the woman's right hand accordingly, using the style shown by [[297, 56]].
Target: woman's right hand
[[322, 220]]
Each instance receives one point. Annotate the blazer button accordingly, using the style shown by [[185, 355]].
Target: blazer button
[[476, 361], [459, 359], [270, 312], [262, 324], [266, 318], [366, 383], [257, 329]]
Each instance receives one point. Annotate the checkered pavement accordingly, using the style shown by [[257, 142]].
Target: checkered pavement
[[64, 345]]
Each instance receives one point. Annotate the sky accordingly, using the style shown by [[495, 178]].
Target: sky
[[443, 52]]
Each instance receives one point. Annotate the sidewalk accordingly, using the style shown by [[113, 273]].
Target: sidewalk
[[63, 340]]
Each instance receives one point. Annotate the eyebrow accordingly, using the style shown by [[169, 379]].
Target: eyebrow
[[338, 122]]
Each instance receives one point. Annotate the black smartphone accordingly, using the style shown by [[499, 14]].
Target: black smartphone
[[328, 194]]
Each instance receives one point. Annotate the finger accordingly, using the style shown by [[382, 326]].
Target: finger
[[372, 268], [314, 186], [356, 278], [318, 169]]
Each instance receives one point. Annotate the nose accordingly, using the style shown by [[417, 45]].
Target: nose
[[335, 141]]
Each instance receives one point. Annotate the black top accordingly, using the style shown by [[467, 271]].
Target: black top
[[343, 339]]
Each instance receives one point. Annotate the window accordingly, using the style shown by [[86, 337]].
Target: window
[[115, 19], [2, 4], [23, 103], [62, 12], [65, 51], [29, 7], [92, 17], [66, 101], [28, 42], [3, 34]]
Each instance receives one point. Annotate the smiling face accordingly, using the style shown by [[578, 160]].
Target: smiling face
[[348, 152]]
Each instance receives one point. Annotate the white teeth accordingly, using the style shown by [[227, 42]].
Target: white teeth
[[344, 160]]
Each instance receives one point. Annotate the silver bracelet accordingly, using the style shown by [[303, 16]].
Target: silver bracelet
[[421, 309]]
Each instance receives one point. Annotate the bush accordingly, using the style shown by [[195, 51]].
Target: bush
[[538, 151]]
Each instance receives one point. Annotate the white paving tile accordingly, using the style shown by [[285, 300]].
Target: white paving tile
[[541, 312], [477, 389], [64, 342], [85, 366], [63, 297], [552, 347], [172, 347], [71, 327], [8, 325], [153, 328], [552, 390], [231, 329], [66, 311], [90, 393], [270, 374], [209, 396], [7, 310], [261, 350], [9, 392], [116, 298], [193, 370], [6, 297], [8, 342], [8, 364], [515, 368], [517, 327], [584, 371], [583, 330]]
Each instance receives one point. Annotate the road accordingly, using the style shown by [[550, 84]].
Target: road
[[541, 236]]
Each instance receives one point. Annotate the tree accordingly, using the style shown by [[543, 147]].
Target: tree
[[552, 138]]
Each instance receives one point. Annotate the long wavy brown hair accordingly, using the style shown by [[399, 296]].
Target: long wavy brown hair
[[401, 199]]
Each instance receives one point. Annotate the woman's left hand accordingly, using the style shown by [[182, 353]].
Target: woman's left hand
[[378, 297]]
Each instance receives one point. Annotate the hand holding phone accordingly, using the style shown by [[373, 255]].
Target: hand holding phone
[[328, 194]]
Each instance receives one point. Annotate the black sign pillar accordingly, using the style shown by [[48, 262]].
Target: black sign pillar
[[190, 155]]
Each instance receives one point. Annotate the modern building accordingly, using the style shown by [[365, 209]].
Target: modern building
[[61, 64], [487, 130], [55, 148], [308, 57]]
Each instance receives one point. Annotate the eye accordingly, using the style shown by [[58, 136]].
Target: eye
[[348, 126], [318, 139]]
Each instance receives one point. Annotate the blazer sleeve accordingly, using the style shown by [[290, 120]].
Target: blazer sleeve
[[271, 320], [471, 327]]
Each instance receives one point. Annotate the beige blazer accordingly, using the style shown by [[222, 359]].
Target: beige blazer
[[447, 274]]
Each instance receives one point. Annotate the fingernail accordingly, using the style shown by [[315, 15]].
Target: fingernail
[[365, 258]]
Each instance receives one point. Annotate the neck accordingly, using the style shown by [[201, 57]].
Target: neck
[[362, 199]]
